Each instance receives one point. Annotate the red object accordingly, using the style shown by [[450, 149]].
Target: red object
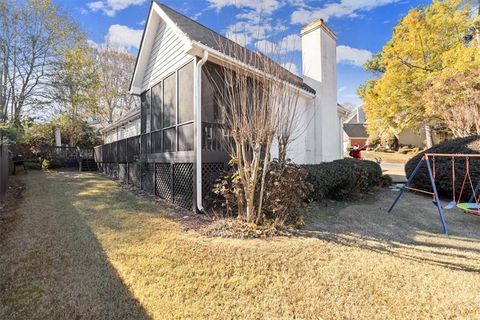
[[357, 153]]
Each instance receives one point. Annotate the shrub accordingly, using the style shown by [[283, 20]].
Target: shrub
[[286, 189], [386, 180], [468, 145], [341, 179], [49, 164]]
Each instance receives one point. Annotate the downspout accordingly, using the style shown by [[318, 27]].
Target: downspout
[[198, 127]]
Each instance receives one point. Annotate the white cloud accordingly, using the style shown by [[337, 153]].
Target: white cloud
[[249, 30], [240, 38], [343, 8], [267, 6], [292, 67], [110, 7], [287, 44], [349, 55], [123, 37]]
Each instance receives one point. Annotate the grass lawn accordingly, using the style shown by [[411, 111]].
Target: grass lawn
[[82, 248]]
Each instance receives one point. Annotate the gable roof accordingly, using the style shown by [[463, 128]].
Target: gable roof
[[201, 34], [355, 130]]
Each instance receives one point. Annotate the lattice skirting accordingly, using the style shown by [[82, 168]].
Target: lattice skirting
[[183, 184], [211, 172], [164, 182], [171, 181]]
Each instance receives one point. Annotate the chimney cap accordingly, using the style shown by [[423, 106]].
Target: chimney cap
[[314, 25]]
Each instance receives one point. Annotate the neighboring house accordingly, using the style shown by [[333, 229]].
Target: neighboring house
[[126, 127], [343, 115], [177, 133], [355, 132], [354, 129]]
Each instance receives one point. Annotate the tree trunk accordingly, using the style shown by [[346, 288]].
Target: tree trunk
[[395, 143], [428, 136]]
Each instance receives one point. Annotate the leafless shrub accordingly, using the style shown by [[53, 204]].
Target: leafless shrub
[[260, 99]]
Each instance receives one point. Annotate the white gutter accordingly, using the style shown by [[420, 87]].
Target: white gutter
[[197, 88]]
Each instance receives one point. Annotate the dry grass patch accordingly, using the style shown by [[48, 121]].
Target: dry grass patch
[[390, 157], [84, 248]]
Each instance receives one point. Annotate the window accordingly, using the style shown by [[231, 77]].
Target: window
[[185, 137], [167, 113], [211, 85], [185, 93], [157, 98], [169, 140], [169, 101], [145, 112]]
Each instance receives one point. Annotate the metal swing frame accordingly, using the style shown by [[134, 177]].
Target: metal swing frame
[[436, 199]]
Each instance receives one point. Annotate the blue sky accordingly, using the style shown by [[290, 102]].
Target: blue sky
[[362, 26]]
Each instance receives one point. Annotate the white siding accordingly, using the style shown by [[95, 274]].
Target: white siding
[[128, 130], [131, 129], [167, 55], [302, 148]]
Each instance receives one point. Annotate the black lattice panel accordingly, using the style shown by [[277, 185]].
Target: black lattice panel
[[134, 174], [210, 173], [123, 172], [183, 184], [163, 186], [148, 175]]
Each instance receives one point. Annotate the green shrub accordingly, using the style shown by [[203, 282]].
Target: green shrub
[[386, 180], [443, 165], [341, 179], [49, 164], [33, 165]]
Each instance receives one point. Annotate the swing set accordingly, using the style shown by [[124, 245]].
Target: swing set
[[473, 204]]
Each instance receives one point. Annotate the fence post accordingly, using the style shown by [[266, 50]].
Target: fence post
[[4, 170]]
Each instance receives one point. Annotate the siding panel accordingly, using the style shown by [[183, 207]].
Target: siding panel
[[167, 55]]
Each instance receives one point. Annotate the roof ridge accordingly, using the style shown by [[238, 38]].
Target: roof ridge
[[169, 11], [198, 23]]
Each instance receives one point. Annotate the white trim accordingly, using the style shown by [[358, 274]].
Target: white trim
[[156, 13]]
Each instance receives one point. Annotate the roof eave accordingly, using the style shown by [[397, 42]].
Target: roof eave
[[197, 49]]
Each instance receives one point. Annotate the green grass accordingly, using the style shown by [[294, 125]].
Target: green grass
[[80, 247]]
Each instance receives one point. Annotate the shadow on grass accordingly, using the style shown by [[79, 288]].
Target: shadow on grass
[[412, 231], [54, 266]]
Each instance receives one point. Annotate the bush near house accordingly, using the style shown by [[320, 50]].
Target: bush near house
[[341, 179], [286, 189], [443, 166]]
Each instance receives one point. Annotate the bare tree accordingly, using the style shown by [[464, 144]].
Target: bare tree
[[261, 102], [455, 99], [33, 36], [115, 68]]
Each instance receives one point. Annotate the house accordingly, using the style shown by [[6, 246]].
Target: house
[[354, 129], [355, 132], [172, 146]]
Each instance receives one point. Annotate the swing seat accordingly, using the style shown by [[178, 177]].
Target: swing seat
[[471, 208], [450, 205]]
